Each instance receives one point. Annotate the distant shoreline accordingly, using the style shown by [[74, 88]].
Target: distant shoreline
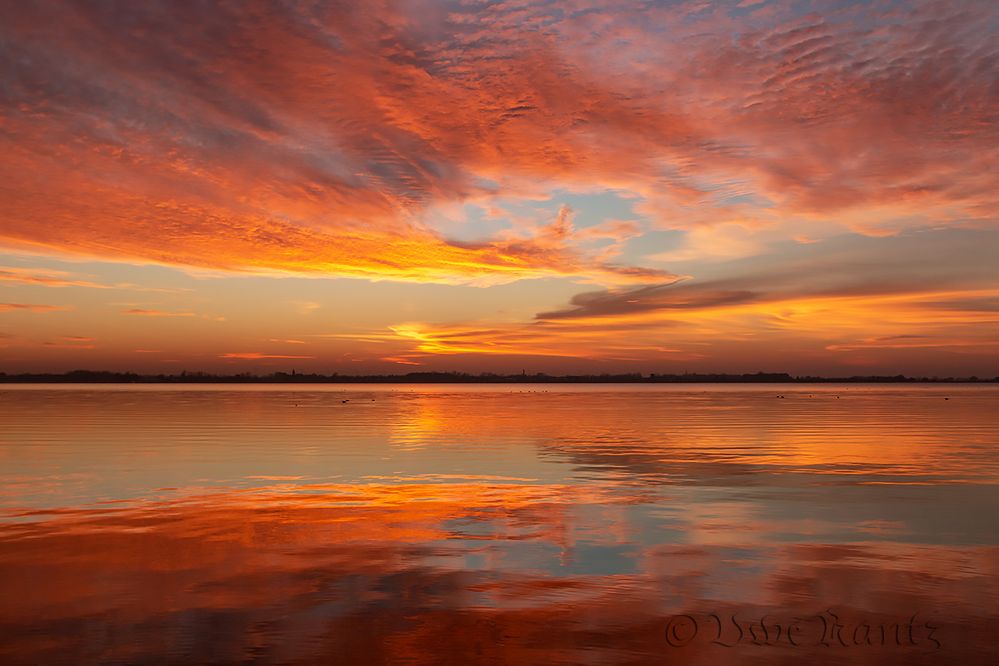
[[105, 377]]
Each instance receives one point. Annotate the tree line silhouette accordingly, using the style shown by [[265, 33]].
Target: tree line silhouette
[[293, 377]]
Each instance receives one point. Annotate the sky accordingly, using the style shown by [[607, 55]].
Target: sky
[[500, 186]]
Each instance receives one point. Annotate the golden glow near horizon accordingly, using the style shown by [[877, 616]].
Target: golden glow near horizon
[[687, 186]]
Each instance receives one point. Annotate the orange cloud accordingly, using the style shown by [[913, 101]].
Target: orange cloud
[[53, 278], [321, 150], [544, 339], [402, 360], [68, 345], [46, 278], [28, 307], [253, 356], [690, 322], [156, 313]]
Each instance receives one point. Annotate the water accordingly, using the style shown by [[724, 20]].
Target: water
[[579, 524]]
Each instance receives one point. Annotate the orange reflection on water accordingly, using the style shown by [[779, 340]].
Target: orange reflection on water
[[518, 525], [425, 573]]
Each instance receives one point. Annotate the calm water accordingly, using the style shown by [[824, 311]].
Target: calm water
[[499, 524]]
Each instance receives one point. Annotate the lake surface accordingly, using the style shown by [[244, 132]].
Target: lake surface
[[503, 524]]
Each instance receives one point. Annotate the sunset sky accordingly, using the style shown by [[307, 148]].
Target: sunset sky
[[382, 187]]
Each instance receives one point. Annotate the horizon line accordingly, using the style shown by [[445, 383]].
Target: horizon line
[[459, 377]]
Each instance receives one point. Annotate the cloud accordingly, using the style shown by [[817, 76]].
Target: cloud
[[144, 312], [731, 320], [715, 243], [63, 342], [652, 298], [313, 139], [76, 338], [68, 345], [253, 356], [916, 342], [46, 278], [306, 307], [156, 313], [29, 307], [775, 300], [421, 341], [401, 360], [54, 278]]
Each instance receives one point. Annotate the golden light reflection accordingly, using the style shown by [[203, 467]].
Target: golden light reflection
[[303, 525]]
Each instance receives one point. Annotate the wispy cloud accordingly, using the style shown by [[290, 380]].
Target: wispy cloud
[[254, 356], [46, 278], [401, 360], [145, 312], [690, 322], [29, 307], [306, 307], [71, 343], [142, 312], [55, 278]]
